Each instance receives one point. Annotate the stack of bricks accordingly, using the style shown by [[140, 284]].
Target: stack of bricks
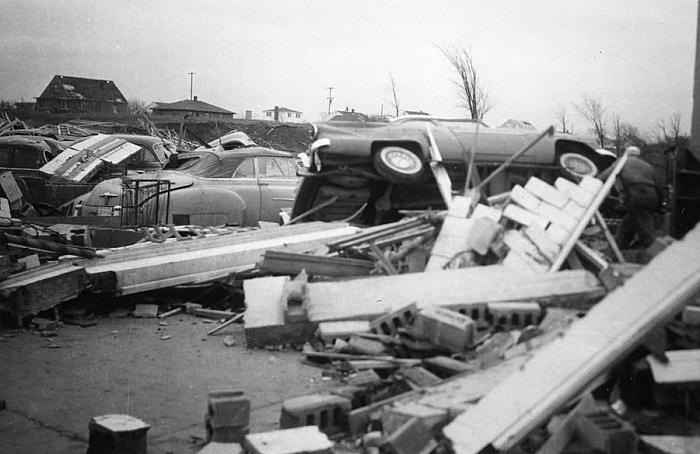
[[549, 215], [228, 416]]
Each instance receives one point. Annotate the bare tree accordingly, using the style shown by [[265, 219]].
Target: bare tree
[[624, 134], [562, 117], [468, 81], [592, 110], [136, 108], [395, 102], [669, 133]]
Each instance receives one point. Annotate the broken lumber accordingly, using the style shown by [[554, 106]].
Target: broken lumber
[[460, 290], [290, 263], [610, 330]]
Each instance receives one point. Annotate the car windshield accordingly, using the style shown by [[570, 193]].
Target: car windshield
[[212, 166]]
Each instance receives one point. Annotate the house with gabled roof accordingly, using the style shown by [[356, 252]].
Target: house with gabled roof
[[81, 95], [283, 115], [192, 108]]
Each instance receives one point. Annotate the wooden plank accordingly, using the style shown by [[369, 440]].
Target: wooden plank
[[683, 366], [566, 367], [364, 298], [452, 238], [315, 265]]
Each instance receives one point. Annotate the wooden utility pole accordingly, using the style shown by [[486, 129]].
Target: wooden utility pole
[[191, 78], [330, 99]]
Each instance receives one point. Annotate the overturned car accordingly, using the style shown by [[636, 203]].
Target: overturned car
[[371, 171]]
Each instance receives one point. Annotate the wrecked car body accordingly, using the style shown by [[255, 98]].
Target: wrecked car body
[[373, 170], [240, 187]]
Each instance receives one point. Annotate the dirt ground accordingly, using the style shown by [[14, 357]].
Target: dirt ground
[[123, 366]]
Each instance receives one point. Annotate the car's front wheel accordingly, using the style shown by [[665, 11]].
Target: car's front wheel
[[398, 164]]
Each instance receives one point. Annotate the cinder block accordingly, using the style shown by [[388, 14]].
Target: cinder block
[[523, 216], [366, 346], [557, 216], [329, 331], [389, 324], [5, 208], [411, 438], [574, 209], [117, 434], [482, 234], [547, 247], [30, 261], [475, 311], [524, 198], [228, 416], [484, 211], [365, 378], [515, 315], [357, 395], [145, 311], [546, 192], [327, 411], [691, 315], [433, 418], [518, 242], [300, 440], [557, 234], [444, 366], [579, 195], [445, 327], [591, 184], [606, 432]]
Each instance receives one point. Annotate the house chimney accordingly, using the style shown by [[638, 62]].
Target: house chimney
[[195, 98], [277, 113]]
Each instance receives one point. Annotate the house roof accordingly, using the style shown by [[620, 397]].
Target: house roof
[[283, 109], [69, 87], [344, 115], [191, 106]]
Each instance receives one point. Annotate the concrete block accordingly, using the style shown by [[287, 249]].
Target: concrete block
[[574, 209], [557, 234], [389, 323], [419, 376], [329, 331], [117, 434], [557, 216], [546, 192], [524, 198], [482, 234], [577, 194], [444, 366], [357, 395], [475, 311], [228, 416], [484, 211], [523, 216], [547, 247], [691, 315], [515, 315], [410, 438], [327, 411], [300, 440], [365, 378], [145, 311], [398, 414], [5, 208], [445, 327], [591, 184], [606, 432], [214, 447], [521, 244]]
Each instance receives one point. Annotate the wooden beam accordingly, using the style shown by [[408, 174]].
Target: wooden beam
[[566, 367]]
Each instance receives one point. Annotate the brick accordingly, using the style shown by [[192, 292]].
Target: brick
[[300, 440], [515, 315], [411, 438], [117, 434], [691, 315], [606, 432], [444, 366], [389, 324], [524, 198], [445, 327], [419, 376], [327, 411], [577, 194], [557, 216], [145, 311], [590, 184], [523, 216], [329, 331], [546, 192]]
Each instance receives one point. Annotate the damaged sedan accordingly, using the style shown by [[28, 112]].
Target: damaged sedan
[[371, 171]]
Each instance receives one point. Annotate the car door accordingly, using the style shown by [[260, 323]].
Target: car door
[[278, 182], [245, 183]]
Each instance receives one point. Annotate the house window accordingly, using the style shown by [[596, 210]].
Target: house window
[[298, 115], [268, 114], [289, 115]]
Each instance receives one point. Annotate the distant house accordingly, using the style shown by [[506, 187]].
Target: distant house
[[414, 112], [81, 95], [283, 115], [346, 115], [191, 108], [518, 124]]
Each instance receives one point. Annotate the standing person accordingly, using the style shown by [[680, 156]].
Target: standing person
[[641, 194]]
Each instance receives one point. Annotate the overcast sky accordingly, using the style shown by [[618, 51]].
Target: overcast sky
[[636, 56]]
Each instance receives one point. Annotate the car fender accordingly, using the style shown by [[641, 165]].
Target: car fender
[[211, 205]]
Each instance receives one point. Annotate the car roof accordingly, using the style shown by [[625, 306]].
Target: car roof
[[248, 152], [29, 141]]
